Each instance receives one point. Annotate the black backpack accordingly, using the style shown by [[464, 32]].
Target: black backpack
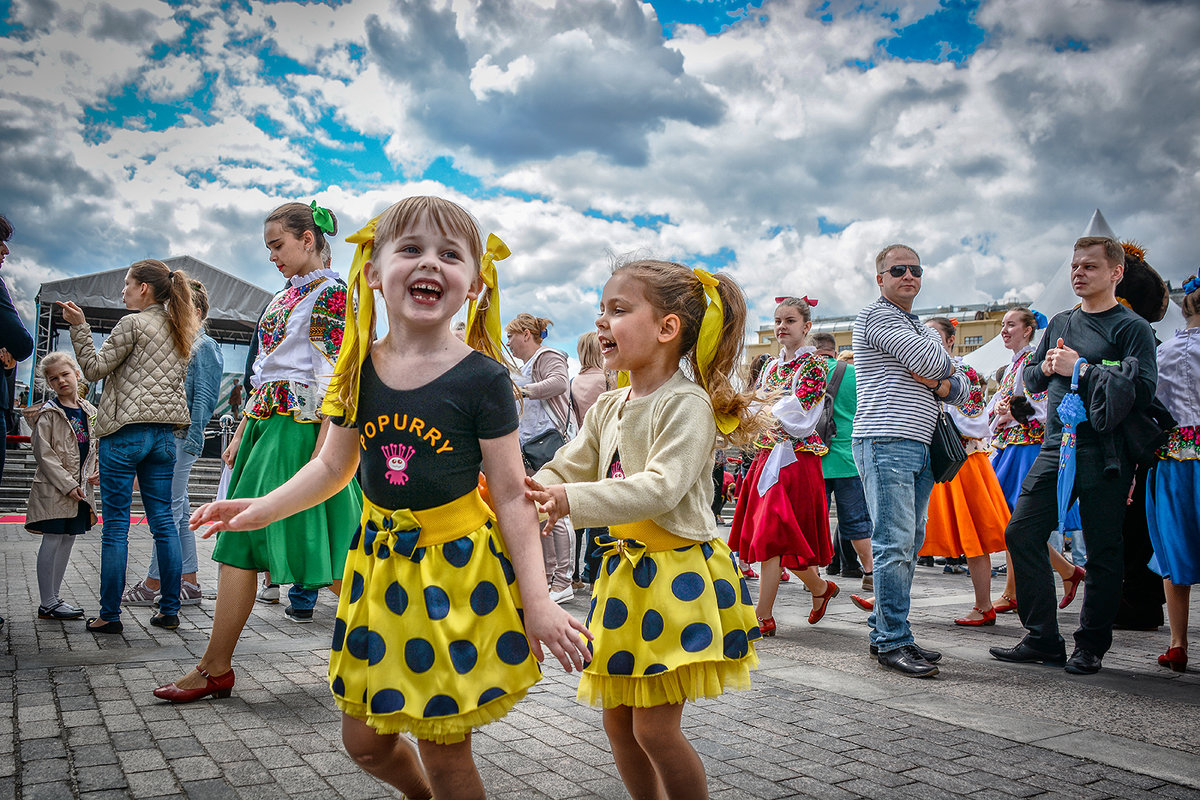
[[826, 427]]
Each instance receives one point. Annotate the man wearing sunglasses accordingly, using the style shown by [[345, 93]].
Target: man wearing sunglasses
[[902, 372]]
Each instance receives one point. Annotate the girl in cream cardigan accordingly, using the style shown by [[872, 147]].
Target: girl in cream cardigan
[[671, 613]]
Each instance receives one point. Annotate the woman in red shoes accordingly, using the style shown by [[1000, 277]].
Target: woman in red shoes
[[967, 515], [781, 517]]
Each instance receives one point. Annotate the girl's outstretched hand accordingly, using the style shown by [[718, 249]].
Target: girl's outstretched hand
[[551, 500], [551, 625], [243, 514]]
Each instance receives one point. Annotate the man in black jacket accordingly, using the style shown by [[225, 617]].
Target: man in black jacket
[[1103, 332], [16, 344]]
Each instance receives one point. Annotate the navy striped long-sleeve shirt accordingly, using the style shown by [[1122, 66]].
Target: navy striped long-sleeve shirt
[[889, 344]]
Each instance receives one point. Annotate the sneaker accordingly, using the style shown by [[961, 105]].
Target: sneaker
[[295, 614], [269, 593], [868, 584], [189, 594], [139, 595], [562, 595]]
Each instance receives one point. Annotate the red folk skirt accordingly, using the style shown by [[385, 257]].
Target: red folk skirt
[[790, 521], [968, 515]]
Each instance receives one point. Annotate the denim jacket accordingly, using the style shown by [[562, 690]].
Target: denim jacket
[[202, 388]]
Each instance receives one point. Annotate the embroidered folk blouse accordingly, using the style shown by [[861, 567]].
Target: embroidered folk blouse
[[1179, 390], [1013, 432], [299, 336], [805, 372]]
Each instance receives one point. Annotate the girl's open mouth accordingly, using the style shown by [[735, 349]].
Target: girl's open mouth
[[425, 292]]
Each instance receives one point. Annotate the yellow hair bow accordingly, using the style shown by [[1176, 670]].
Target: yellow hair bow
[[710, 336], [496, 251], [357, 338]]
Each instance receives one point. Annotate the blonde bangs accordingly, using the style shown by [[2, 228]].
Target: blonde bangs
[[449, 219]]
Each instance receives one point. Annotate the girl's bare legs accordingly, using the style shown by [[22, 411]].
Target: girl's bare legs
[[981, 580], [1058, 563], [655, 759], [863, 548], [388, 757], [235, 599], [768, 588], [1177, 612], [451, 770], [812, 579]]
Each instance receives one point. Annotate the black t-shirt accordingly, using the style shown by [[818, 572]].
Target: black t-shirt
[[79, 426], [420, 447], [1103, 338]]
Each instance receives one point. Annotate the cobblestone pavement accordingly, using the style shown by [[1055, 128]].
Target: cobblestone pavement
[[77, 718]]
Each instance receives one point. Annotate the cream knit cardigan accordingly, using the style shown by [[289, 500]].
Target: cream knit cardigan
[[666, 441]]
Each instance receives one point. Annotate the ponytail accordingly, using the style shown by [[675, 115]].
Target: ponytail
[[172, 288], [674, 289]]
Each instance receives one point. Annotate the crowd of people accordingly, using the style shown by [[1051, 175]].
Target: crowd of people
[[453, 500]]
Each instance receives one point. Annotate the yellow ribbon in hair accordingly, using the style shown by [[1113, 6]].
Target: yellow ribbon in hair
[[358, 323], [496, 251], [710, 337]]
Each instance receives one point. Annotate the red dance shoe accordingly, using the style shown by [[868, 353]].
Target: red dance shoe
[[1175, 659], [748, 573], [865, 603], [766, 626], [784, 575], [1005, 605], [831, 591], [989, 618], [221, 686], [1070, 585]]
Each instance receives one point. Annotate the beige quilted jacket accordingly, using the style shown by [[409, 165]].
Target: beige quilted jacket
[[58, 469], [143, 373]]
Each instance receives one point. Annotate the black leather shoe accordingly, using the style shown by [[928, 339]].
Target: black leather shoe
[[168, 621], [1083, 662], [932, 656], [1024, 654], [907, 661]]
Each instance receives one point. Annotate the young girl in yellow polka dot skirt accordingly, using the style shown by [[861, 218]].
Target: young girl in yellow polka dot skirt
[[671, 614], [429, 638]]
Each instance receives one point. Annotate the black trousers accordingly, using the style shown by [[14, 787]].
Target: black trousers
[[1102, 509]]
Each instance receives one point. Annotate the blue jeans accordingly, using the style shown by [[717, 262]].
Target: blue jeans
[[181, 510], [302, 599], [897, 480], [148, 452]]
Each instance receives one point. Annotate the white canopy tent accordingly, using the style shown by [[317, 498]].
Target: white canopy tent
[[1056, 297]]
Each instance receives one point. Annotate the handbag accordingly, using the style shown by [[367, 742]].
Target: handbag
[[539, 450], [946, 451]]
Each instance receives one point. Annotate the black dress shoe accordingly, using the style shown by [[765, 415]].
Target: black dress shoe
[[907, 661], [851, 572], [925, 561], [1024, 654], [168, 621], [1083, 662], [932, 656]]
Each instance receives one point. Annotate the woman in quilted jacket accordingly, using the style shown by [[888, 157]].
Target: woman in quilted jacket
[[143, 364]]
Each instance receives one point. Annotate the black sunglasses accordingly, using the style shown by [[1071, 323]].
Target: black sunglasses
[[898, 270]]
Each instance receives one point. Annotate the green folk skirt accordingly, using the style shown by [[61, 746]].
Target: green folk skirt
[[308, 548]]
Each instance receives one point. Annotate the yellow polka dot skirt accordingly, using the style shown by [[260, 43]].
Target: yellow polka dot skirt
[[669, 626], [431, 643]]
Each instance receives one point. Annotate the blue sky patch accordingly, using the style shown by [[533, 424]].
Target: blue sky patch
[[949, 34], [713, 16]]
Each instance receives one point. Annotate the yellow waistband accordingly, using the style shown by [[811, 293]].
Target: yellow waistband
[[654, 536], [438, 525]]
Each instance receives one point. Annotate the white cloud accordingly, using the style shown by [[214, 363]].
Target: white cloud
[[742, 141]]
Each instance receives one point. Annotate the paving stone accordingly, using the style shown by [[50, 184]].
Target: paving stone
[[821, 720]]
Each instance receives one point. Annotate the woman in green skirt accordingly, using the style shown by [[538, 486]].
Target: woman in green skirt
[[299, 336]]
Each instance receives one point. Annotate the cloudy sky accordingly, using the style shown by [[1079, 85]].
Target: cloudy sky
[[783, 141]]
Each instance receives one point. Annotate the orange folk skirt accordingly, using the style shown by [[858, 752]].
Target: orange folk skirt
[[968, 515]]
